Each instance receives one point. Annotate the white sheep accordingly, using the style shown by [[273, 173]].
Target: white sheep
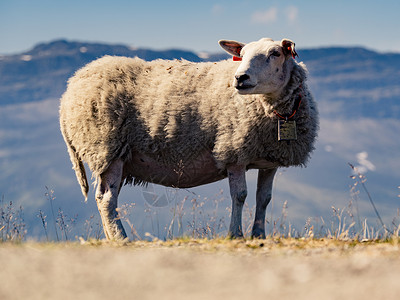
[[183, 124]]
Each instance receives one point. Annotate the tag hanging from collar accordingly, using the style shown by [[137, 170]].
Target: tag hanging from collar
[[286, 127], [236, 58], [287, 130]]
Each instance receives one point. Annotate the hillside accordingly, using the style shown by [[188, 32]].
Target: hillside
[[41, 73]]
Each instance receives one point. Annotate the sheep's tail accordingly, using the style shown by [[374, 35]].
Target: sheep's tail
[[77, 165], [80, 172]]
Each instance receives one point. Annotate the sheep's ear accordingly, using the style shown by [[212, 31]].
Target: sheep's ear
[[232, 47], [288, 48]]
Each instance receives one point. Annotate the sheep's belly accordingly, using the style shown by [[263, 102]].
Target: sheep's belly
[[200, 171]]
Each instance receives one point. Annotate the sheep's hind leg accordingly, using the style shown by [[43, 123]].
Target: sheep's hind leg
[[238, 189], [107, 200], [263, 197]]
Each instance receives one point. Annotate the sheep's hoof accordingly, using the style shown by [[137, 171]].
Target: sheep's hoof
[[258, 233], [235, 235]]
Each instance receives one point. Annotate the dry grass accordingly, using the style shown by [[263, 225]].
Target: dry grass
[[12, 225], [275, 268]]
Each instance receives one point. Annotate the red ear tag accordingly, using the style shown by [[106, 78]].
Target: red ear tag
[[235, 58]]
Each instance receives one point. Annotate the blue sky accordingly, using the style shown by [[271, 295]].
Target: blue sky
[[198, 25]]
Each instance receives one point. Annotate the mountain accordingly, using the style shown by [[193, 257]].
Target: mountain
[[42, 72], [360, 81], [358, 93]]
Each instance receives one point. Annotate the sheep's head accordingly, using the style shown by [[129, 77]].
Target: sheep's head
[[265, 66]]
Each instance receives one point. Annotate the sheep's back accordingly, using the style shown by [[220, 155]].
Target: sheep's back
[[167, 109]]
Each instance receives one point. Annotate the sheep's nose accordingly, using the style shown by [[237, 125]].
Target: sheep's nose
[[242, 78]]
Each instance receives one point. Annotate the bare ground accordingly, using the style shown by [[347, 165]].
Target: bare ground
[[201, 269]]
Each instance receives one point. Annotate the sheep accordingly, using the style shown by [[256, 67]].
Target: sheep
[[182, 124]]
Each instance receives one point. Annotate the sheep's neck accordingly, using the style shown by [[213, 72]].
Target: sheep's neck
[[279, 108], [294, 111]]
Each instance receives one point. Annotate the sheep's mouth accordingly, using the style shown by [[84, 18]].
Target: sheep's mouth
[[243, 87]]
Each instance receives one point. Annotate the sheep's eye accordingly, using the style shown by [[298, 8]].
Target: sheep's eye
[[275, 53]]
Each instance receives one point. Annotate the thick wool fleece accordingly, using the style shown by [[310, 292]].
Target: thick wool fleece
[[175, 110]]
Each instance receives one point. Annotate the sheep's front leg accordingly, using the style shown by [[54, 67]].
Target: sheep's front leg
[[238, 189], [263, 197], [107, 199]]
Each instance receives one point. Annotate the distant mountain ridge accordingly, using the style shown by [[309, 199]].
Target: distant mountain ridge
[[358, 81], [42, 72], [362, 82]]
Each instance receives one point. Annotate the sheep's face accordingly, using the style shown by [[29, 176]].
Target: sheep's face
[[264, 68]]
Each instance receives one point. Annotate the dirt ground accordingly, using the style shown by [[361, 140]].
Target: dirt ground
[[200, 269]]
